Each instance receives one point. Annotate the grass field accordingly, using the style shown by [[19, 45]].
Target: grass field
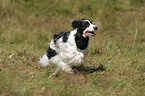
[[27, 26]]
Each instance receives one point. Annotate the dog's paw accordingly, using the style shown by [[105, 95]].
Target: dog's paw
[[67, 69], [71, 72]]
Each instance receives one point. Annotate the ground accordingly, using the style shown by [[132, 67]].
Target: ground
[[115, 64]]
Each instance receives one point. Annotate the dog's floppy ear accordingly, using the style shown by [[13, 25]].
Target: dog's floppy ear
[[76, 23]]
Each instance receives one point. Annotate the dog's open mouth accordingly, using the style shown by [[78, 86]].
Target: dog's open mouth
[[90, 33]]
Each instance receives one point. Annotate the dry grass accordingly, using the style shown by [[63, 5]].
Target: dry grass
[[28, 25]]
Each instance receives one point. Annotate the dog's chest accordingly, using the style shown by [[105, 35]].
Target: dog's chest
[[80, 43], [70, 52]]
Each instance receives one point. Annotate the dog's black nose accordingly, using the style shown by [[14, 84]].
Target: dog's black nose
[[95, 28]]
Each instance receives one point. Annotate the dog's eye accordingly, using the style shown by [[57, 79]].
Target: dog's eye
[[87, 24]]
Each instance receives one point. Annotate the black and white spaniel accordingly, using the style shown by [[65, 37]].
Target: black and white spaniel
[[68, 49]]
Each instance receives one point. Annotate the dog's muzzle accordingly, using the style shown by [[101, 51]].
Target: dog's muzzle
[[90, 33]]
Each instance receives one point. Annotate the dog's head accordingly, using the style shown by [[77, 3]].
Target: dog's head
[[85, 27]]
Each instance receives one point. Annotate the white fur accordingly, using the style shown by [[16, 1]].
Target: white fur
[[44, 60]]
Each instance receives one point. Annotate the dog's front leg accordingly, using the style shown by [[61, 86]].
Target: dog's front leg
[[66, 68]]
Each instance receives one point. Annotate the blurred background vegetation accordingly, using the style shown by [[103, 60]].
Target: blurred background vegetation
[[26, 26]]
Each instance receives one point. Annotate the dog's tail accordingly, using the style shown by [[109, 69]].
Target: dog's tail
[[44, 60]]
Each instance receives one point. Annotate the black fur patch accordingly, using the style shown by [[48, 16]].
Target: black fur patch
[[51, 53], [64, 36], [76, 23], [81, 42], [56, 37]]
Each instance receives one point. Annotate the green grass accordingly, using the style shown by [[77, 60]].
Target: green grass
[[26, 26]]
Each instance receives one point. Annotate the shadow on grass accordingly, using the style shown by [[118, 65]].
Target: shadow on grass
[[79, 70], [88, 70]]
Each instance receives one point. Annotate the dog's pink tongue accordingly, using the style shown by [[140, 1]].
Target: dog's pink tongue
[[89, 34]]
